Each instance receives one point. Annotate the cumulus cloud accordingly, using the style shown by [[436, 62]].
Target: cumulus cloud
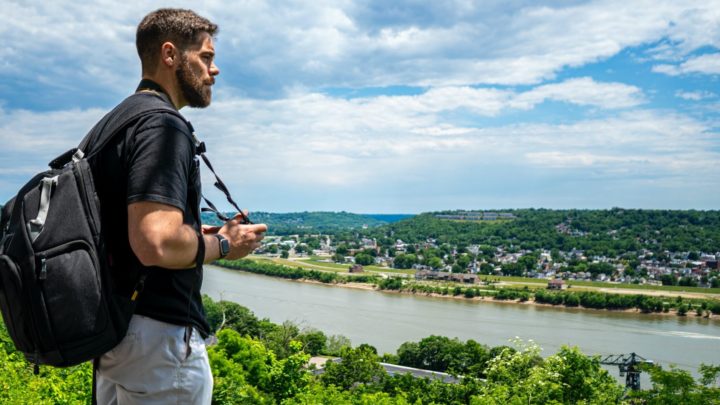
[[695, 95], [708, 64], [473, 127], [374, 147], [583, 91], [267, 48], [364, 140]]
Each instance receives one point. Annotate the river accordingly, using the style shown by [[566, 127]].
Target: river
[[386, 320]]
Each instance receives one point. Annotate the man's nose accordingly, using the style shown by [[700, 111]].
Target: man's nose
[[214, 70]]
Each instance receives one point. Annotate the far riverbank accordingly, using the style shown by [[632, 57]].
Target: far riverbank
[[373, 287], [598, 301]]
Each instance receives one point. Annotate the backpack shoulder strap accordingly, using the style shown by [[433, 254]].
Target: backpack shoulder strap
[[134, 107]]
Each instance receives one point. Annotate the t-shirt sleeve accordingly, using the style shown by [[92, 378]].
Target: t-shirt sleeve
[[159, 162]]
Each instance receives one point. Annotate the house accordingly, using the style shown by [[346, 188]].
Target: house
[[556, 284]]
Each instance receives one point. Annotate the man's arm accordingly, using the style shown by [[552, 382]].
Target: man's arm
[[158, 237]]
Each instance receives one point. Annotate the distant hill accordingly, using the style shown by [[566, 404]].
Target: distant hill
[[609, 232], [311, 222], [389, 218]]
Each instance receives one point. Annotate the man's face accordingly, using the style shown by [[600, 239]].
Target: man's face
[[196, 73]]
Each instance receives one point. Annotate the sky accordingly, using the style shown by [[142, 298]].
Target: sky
[[399, 106]]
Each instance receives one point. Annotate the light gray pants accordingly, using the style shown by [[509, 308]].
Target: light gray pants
[[156, 363]]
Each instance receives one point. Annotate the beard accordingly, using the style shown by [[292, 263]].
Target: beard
[[196, 93]]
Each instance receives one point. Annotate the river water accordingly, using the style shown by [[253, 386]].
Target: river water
[[386, 320]]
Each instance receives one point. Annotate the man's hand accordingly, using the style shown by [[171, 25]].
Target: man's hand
[[244, 239], [209, 229]]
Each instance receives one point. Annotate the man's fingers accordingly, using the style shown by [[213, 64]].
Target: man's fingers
[[257, 228], [240, 216]]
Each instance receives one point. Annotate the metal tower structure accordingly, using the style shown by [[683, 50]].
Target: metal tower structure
[[629, 365]]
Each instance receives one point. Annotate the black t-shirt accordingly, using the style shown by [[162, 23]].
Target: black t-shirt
[[154, 161]]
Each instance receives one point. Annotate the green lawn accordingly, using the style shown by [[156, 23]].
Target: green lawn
[[316, 260], [314, 263], [598, 284]]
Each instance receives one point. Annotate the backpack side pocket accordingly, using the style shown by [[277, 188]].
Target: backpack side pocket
[[12, 306]]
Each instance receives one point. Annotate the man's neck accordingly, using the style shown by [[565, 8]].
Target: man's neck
[[167, 86]]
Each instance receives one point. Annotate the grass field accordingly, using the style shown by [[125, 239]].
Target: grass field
[[316, 260], [598, 284], [314, 263]]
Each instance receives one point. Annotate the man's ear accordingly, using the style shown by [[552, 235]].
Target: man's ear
[[169, 54]]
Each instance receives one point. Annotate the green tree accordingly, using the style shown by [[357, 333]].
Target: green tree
[[404, 261], [245, 371], [338, 258], [364, 259], [227, 314], [314, 342], [357, 366], [280, 337], [336, 343], [568, 377], [676, 386], [435, 262]]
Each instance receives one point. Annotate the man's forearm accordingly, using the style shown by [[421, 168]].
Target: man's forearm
[[158, 237], [182, 252]]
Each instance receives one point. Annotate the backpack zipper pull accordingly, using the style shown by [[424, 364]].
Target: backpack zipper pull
[[43, 269], [138, 287]]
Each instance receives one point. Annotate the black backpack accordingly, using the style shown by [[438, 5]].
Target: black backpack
[[56, 292]]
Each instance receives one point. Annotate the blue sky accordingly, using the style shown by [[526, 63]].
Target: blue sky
[[404, 106]]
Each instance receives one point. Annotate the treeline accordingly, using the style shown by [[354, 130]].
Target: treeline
[[296, 273], [585, 299], [644, 303], [600, 232], [308, 222], [257, 362]]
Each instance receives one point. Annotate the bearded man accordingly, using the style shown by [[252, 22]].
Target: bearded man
[[148, 183]]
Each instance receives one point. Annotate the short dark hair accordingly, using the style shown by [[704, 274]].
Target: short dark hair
[[179, 26]]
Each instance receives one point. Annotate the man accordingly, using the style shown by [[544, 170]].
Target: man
[[149, 187]]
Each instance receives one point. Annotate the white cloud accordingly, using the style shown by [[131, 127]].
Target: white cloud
[[317, 140], [26, 133], [312, 143], [708, 64], [268, 47], [273, 127], [695, 95], [583, 91]]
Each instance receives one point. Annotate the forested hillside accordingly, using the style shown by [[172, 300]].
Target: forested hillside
[[604, 232]]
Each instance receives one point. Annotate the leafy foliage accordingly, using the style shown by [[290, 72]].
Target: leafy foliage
[[18, 384], [296, 273], [247, 369], [603, 232]]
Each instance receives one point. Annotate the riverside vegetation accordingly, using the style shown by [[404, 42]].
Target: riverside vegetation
[[585, 299], [258, 362]]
